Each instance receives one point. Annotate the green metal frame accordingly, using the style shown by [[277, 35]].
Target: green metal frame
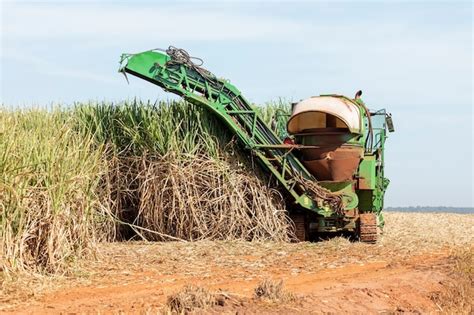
[[371, 169], [226, 101]]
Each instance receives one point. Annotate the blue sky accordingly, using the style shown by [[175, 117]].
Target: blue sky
[[413, 58]]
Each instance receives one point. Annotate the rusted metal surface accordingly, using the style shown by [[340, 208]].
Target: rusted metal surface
[[363, 183], [335, 163], [351, 213], [368, 232]]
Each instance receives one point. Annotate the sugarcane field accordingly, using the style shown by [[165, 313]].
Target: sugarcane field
[[269, 158]]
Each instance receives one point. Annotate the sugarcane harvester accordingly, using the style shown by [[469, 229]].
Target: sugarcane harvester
[[329, 161]]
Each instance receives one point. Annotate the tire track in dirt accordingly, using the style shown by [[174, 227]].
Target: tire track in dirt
[[368, 288]]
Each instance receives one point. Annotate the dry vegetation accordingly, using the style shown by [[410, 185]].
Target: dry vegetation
[[189, 299], [50, 212], [206, 264], [395, 245], [192, 298], [458, 298], [72, 178], [175, 176], [201, 198], [254, 260], [273, 290], [424, 232]]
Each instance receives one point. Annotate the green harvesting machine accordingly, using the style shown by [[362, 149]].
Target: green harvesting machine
[[328, 159]]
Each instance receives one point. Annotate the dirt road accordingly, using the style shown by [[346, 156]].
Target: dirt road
[[373, 288], [335, 276]]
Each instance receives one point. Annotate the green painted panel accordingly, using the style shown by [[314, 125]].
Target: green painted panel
[[365, 200], [143, 62], [367, 173]]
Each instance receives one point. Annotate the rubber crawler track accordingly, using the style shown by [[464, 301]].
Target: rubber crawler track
[[368, 228]]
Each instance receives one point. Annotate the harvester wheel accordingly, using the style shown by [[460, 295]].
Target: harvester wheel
[[300, 227], [368, 230]]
